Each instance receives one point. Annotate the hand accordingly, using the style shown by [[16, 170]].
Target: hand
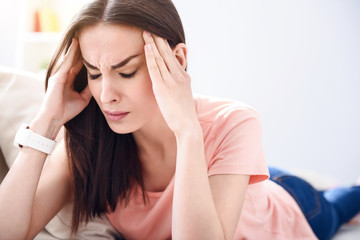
[[62, 102], [171, 85]]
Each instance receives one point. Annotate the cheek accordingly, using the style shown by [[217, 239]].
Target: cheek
[[144, 85], [147, 88], [148, 80]]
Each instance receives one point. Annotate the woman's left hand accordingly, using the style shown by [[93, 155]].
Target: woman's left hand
[[171, 84]]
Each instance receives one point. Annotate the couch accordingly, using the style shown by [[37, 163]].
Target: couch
[[20, 97]]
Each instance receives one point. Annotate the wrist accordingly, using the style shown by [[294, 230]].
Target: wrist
[[45, 128], [192, 133]]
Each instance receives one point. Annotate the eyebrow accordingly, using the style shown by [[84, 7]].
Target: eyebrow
[[119, 65]]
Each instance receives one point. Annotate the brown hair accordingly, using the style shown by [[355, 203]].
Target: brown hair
[[105, 165]]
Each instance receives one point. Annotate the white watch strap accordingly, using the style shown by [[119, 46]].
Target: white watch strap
[[27, 138]]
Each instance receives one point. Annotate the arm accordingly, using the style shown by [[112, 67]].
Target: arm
[[202, 208], [54, 190], [29, 195], [25, 196]]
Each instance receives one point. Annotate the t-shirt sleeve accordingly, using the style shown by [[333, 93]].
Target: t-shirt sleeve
[[238, 145]]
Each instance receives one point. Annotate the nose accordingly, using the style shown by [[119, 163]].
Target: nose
[[108, 91]]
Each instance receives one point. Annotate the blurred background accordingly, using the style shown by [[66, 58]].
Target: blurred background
[[296, 62]]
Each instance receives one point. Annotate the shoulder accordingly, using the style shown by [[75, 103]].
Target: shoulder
[[228, 123], [221, 112], [232, 138]]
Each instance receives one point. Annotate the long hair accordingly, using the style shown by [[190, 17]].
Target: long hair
[[105, 166]]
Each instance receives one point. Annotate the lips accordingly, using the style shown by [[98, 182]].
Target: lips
[[116, 115]]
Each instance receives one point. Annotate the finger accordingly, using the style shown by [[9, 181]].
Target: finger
[[163, 69], [177, 64], [70, 57], [74, 71], [154, 71], [167, 54]]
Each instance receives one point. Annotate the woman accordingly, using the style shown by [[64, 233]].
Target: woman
[[141, 149]]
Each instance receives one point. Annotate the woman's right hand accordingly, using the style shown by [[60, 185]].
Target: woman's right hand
[[61, 102]]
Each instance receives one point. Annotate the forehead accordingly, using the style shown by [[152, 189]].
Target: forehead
[[112, 42]]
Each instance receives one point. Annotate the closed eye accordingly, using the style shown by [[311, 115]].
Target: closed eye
[[93, 77], [123, 75]]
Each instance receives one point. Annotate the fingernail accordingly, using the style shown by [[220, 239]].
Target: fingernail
[[148, 34], [148, 46]]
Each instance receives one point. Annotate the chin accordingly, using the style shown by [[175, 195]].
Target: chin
[[120, 128]]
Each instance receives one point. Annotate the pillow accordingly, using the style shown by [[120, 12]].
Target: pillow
[[21, 94]]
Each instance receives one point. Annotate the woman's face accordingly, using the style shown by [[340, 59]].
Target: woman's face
[[118, 77]]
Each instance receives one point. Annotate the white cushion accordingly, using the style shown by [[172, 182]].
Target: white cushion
[[20, 98]]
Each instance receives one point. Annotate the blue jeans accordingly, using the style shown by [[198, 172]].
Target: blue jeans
[[326, 210]]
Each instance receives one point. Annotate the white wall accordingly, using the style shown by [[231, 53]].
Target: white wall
[[296, 62], [16, 24], [11, 15]]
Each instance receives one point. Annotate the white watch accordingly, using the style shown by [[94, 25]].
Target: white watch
[[27, 138]]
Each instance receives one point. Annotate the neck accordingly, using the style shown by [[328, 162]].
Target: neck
[[155, 140], [156, 145]]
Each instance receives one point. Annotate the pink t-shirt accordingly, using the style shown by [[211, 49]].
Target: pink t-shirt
[[233, 145]]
